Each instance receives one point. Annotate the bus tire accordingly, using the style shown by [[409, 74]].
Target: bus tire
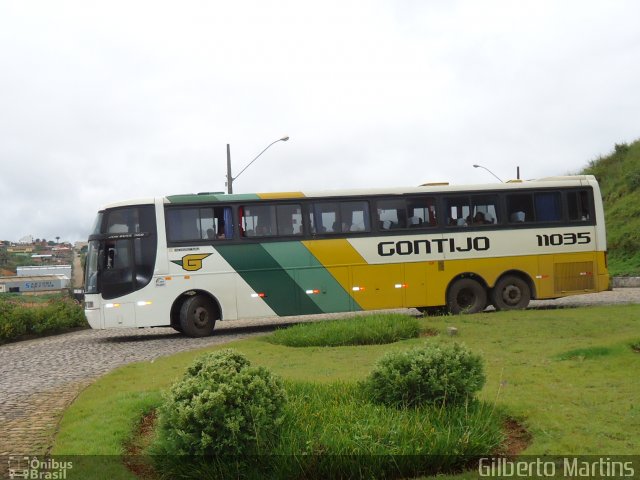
[[511, 293], [466, 295], [198, 316]]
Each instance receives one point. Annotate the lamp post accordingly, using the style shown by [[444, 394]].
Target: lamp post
[[230, 178], [480, 166]]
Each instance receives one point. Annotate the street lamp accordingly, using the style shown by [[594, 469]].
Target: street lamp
[[230, 178], [480, 166]]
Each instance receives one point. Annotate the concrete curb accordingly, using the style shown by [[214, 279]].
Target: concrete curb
[[625, 282]]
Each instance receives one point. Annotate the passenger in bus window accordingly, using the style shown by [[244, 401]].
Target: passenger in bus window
[[432, 215], [414, 221], [479, 219], [517, 217], [221, 235]]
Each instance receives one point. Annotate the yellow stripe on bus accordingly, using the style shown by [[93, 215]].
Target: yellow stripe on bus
[[394, 285], [269, 196]]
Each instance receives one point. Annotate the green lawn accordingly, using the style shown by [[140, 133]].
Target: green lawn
[[569, 375]]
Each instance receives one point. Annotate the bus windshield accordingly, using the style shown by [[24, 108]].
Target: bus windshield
[[122, 251]]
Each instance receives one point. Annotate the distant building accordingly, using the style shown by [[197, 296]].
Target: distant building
[[32, 284], [20, 249], [27, 239], [48, 258], [44, 270]]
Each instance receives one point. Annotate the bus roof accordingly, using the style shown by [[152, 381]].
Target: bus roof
[[208, 197], [560, 181]]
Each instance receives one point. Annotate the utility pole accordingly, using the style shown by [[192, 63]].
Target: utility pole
[[229, 177]]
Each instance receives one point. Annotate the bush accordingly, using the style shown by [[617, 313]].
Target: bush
[[438, 374], [331, 430], [222, 406], [53, 315], [366, 330], [334, 431]]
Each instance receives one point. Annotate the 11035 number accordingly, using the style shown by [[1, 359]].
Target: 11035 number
[[564, 239]]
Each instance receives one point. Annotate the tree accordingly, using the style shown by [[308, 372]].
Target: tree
[[4, 258]]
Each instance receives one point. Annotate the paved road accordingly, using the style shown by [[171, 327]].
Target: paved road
[[40, 378]]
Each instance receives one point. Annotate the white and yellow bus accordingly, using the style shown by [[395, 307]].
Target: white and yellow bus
[[187, 261]]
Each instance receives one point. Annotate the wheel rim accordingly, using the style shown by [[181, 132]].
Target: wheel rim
[[200, 317], [466, 299], [511, 295]]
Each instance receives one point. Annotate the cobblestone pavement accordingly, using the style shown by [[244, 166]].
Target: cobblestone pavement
[[40, 378]]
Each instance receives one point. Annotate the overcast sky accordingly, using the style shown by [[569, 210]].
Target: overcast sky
[[106, 101]]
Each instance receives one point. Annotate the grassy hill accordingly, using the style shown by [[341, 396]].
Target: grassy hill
[[619, 178]]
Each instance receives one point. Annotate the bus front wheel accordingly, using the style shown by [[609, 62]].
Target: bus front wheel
[[198, 316], [466, 295], [511, 293]]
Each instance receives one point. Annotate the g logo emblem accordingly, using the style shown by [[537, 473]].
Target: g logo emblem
[[191, 263]]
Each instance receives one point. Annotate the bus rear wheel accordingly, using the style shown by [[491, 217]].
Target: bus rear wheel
[[466, 295], [511, 293], [198, 316]]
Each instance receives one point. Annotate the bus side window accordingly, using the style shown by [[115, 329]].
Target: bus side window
[[182, 224], [484, 210], [520, 208], [459, 212], [340, 217], [354, 216], [548, 207], [325, 217], [578, 205], [259, 220], [222, 224], [289, 220], [391, 214], [421, 212]]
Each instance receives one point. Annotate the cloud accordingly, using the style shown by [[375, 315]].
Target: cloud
[[103, 102]]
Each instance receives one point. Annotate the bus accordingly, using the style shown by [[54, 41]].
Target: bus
[[187, 261]]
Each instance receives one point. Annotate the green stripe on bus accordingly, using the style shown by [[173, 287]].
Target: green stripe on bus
[[312, 278], [266, 276], [205, 198]]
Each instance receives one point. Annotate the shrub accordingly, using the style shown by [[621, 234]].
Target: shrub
[[366, 330], [44, 316], [222, 406], [14, 321], [621, 148], [436, 374], [331, 430]]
